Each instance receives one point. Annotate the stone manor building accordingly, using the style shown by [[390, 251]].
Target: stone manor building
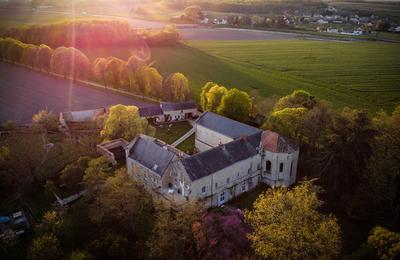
[[233, 158]]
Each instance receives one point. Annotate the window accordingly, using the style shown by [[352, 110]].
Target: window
[[258, 166], [268, 166], [203, 189], [222, 197], [291, 168], [216, 185], [227, 180], [281, 167], [243, 187]]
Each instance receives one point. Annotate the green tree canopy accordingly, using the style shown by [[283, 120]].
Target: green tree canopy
[[214, 97], [73, 173], [122, 205], [97, 172], [113, 69], [149, 81], [299, 98], [172, 235], [203, 94], [235, 104], [99, 70], [134, 62], [70, 62], [29, 56], [289, 121], [386, 243], [287, 225], [125, 122], [51, 223], [46, 120], [176, 87], [377, 197], [46, 246], [346, 147], [43, 58]]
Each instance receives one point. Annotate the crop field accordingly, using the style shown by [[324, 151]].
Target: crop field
[[357, 74]]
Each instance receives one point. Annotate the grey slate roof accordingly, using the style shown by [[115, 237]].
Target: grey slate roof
[[226, 126], [151, 155], [150, 111], [166, 106], [213, 160]]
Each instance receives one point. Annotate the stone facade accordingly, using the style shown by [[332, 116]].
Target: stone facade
[[229, 163]]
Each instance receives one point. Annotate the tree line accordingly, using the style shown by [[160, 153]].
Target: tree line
[[137, 76], [91, 34], [134, 75]]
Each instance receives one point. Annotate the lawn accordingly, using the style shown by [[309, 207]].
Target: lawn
[[169, 133], [357, 74]]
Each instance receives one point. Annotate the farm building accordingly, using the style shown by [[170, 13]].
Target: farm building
[[159, 113], [78, 119]]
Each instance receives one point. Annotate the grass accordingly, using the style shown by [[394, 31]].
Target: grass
[[172, 132], [354, 74], [357, 74]]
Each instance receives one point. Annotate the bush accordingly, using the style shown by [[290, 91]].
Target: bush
[[46, 119]]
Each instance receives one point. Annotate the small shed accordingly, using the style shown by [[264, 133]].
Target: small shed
[[114, 150]]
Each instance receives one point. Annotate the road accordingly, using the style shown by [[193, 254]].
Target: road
[[23, 92]]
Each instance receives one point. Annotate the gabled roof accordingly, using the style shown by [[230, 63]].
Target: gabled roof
[[151, 154], [150, 111], [277, 143], [226, 126], [218, 158], [166, 106]]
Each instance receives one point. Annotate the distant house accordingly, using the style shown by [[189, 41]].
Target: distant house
[[233, 159], [322, 21], [204, 21], [332, 30], [220, 21]]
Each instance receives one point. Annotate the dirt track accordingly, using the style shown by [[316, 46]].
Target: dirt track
[[23, 92]]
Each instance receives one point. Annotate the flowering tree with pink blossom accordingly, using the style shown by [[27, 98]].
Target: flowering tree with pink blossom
[[222, 234]]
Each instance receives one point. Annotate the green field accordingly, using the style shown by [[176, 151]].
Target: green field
[[357, 74]]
